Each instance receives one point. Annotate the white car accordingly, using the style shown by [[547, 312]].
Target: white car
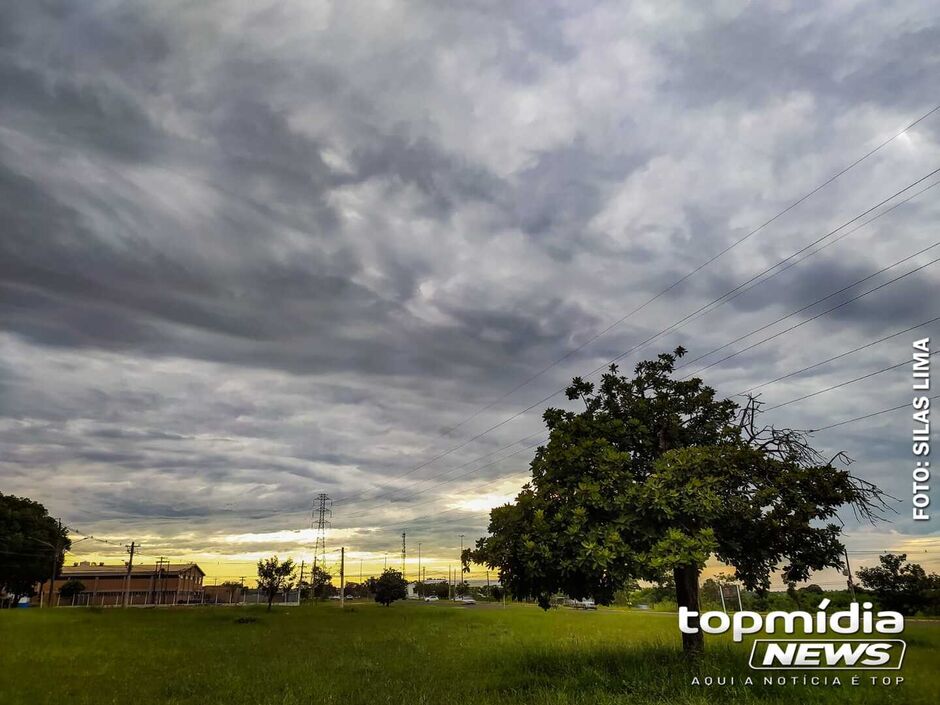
[[466, 599], [587, 604], [431, 598]]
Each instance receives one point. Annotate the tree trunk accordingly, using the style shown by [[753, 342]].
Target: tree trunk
[[270, 600], [686, 578]]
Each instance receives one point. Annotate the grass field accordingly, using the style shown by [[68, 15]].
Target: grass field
[[408, 653]]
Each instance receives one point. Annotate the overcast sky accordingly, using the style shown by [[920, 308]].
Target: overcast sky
[[253, 252]]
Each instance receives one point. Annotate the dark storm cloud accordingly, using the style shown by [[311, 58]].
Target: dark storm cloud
[[250, 253]]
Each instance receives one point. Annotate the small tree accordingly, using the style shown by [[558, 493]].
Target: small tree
[[275, 576], [904, 587], [317, 586], [389, 587], [70, 588], [320, 583]]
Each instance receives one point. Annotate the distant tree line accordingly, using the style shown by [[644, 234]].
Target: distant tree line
[[894, 584]]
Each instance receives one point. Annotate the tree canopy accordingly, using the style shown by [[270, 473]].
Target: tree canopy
[[32, 544], [390, 586], [653, 477]]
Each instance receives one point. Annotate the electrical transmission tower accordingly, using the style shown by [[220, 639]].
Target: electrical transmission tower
[[322, 512]]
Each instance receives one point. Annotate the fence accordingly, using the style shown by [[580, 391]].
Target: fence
[[150, 599]]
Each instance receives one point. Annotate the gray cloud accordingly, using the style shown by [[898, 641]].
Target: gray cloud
[[251, 253]]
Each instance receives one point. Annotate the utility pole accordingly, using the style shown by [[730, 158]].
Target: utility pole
[[459, 565], [403, 554], [130, 566], [848, 574], [418, 583], [57, 550], [55, 558], [342, 576], [360, 570], [162, 564], [300, 582]]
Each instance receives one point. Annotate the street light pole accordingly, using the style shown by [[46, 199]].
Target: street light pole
[[459, 565], [342, 576]]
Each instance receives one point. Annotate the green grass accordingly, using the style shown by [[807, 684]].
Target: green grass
[[409, 653]]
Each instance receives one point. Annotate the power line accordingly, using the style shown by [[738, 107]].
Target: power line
[[95, 538], [838, 357], [769, 409], [541, 434], [674, 326], [560, 391], [715, 301], [843, 384], [760, 278], [845, 422], [756, 280], [363, 512], [692, 273], [822, 428], [678, 282], [818, 315], [810, 305], [866, 416]]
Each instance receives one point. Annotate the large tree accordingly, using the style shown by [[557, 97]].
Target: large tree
[[32, 546], [275, 576], [653, 477]]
